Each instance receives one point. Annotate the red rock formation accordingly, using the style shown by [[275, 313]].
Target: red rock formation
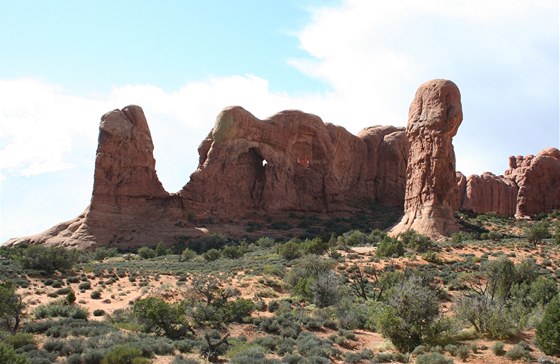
[[431, 189], [290, 162], [538, 179], [530, 186], [489, 193]]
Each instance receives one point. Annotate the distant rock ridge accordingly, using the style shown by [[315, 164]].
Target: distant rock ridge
[[530, 186], [294, 162]]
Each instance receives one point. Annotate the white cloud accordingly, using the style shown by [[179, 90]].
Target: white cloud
[[502, 54]]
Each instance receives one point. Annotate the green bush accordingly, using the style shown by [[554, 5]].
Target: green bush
[[415, 241], [537, 232], [8, 355], [84, 286], [548, 331], [433, 358], [232, 252], [11, 307], [315, 246], [102, 253], [389, 247], [95, 295], [498, 348], [60, 309], [517, 352], [146, 253], [48, 259], [237, 310], [160, 317], [408, 318], [188, 254], [123, 354], [290, 250], [212, 255], [18, 340]]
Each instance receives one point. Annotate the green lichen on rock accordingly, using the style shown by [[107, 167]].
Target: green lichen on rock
[[225, 127]]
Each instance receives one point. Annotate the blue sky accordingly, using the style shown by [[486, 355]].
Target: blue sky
[[355, 63]]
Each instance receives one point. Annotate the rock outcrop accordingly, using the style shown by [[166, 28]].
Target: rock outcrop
[[530, 186], [291, 162], [487, 193], [294, 162], [431, 187]]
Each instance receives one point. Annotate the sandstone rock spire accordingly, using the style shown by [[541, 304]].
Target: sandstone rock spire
[[431, 187]]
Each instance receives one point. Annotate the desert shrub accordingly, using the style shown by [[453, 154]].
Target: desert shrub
[[537, 232], [310, 345], [188, 254], [353, 238], [389, 247], [93, 356], [123, 354], [73, 279], [314, 246], [486, 315], [290, 250], [95, 295], [8, 355], [70, 297], [548, 331], [53, 345], [161, 250], [60, 309], [18, 340], [11, 307], [415, 241], [462, 352], [252, 354], [236, 310], [542, 291], [207, 242], [433, 358], [56, 284], [211, 255], [408, 318], [232, 252], [517, 352], [178, 359], [265, 242], [326, 289], [102, 253], [160, 317], [98, 312], [186, 345], [146, 253], [48, 259], [303, 275], [84, 286], [498, 348]]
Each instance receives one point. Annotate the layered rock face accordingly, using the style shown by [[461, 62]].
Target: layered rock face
[[530, 186], [487, 193], [290, 162], [431, 187]]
